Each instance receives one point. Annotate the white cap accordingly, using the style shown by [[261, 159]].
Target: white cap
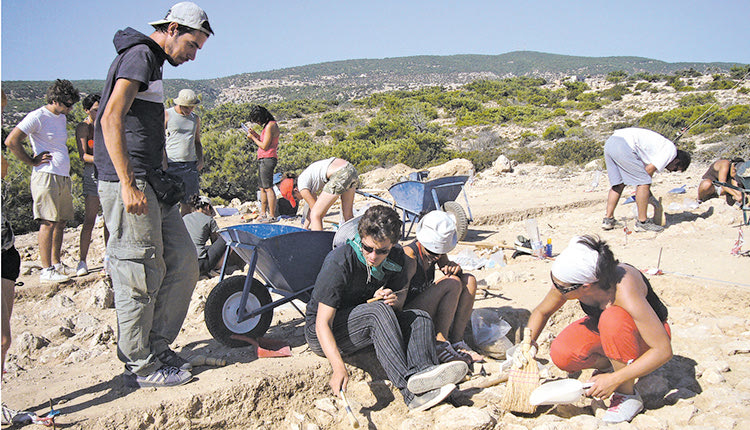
[[437, 232], [188, 14]]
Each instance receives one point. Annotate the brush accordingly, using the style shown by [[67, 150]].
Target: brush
[[349, 413], [522, 381]]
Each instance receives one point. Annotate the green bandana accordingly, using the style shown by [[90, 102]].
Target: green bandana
[[377, 272]]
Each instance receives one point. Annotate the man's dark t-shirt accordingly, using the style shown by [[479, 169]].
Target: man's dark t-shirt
[[342, 281], [140, 59]]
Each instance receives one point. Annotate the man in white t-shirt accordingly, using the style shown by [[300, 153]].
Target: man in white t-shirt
[[50, 177], [633, 155]]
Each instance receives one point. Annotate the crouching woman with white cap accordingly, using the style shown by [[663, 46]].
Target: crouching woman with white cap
[[450, 299], [624, 335]]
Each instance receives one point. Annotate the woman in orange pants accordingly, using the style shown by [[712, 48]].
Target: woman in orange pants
[[624, 335]]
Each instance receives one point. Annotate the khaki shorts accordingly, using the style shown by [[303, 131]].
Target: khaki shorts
[[53, 199], [341, 180]]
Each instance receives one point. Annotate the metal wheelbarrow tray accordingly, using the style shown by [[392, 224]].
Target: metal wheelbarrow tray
[[287, 259], [415, 199]]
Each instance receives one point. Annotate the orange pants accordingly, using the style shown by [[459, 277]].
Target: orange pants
[[578, 347]]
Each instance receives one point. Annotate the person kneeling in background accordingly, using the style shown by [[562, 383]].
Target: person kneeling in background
[[201, 226]]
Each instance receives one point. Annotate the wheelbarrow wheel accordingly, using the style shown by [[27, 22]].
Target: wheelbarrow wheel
[[462, 222], [222, 307]]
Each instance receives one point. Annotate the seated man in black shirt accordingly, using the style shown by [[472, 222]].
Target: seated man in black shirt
[[341, 318]]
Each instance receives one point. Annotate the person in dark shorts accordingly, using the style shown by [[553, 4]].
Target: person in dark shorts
[[85, 143], [268, 144]]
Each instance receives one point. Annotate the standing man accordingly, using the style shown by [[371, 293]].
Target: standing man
[[633, 155], [50, 177], [153, 264], [183, 152]]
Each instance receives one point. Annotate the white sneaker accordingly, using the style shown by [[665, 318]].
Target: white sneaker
[[50, 275], [623, 407], [64, 269], [82, 269]]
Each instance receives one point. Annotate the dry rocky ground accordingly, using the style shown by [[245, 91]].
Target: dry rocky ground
[[64, 337]]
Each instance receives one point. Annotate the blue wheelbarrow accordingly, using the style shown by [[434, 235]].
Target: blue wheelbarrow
[[415, 198], [286, 260]]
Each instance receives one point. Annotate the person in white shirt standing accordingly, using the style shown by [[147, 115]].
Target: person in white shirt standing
[[50, 178], [633, 155]]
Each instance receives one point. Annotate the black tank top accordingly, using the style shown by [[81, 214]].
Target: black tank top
[[594, 312], [423, 277]]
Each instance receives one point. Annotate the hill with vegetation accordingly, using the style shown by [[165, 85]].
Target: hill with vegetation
[[423, 111], [351, 79]]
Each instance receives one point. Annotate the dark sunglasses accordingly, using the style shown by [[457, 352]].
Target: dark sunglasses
[[379, 251], [562, 289], [68, 104]]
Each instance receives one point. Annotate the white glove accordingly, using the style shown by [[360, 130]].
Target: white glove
[[519, 358]]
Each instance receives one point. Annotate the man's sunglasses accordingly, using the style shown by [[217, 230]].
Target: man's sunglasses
[[379, 251], [562, 289], [68, 104]]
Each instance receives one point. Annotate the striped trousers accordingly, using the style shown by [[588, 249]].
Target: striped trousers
[[404, 341]]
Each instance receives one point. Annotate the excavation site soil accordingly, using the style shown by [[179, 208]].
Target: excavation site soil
[[64, 337]]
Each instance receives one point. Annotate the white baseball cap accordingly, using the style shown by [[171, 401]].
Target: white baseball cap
[[437, 232], [188, 14]]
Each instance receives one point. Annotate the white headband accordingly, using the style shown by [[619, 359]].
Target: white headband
[[576, 264]]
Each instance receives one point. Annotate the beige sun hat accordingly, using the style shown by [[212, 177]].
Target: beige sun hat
[[187, 97], [188, 14], [437, 232]]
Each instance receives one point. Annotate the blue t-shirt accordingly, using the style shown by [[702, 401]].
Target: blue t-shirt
[[140, 59]]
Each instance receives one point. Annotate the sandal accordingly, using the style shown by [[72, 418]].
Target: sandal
[[462, 347], [446, 353]]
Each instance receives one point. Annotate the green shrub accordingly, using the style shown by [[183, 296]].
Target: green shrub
[[523, 155], [573, 151], [337, 135], [337, 118], [480, 159], [553, 132], [642, 86], [575, 132], [319, 133], [697, 100], [617, 76], [616, 92]]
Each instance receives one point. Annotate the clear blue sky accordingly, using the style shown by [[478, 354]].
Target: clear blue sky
[[47, 39]]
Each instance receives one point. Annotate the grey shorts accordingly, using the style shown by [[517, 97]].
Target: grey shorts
[[89, 180], [53, 198], [623, 165], [341, 180]]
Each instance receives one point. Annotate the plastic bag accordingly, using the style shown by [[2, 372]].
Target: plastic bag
[[489, 331]]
